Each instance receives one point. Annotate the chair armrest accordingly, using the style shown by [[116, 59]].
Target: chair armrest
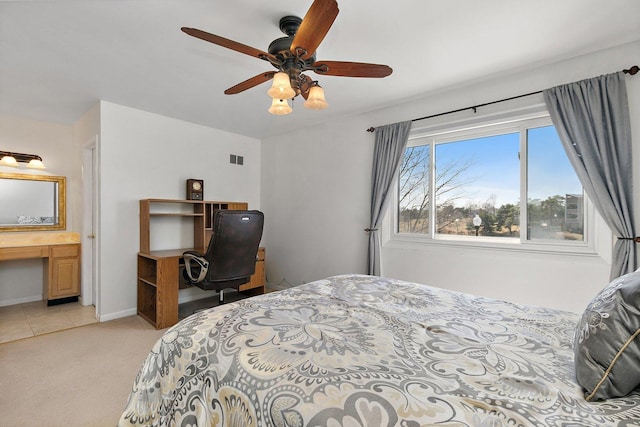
[[201, 255], [192, 261]]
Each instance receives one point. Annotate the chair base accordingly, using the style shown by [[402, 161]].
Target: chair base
[[186, 309]]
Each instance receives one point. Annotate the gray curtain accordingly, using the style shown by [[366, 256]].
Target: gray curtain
[[592, 120], [390, 142]]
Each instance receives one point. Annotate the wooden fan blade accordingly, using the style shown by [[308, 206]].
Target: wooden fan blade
[[229, 44], [249, 83], [314, 27], [351, 69]]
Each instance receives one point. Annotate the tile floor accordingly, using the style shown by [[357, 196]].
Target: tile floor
[[35, 318]]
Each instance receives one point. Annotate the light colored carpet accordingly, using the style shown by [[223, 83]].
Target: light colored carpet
[[77, 377]]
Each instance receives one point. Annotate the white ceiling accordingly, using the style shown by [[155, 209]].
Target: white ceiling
[[58, 58]]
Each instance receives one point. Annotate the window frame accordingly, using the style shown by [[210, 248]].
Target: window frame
[[475, 127]]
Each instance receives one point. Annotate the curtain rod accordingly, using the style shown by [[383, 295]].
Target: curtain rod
[[631, 71]]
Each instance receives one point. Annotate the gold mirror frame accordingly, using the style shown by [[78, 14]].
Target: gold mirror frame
[[62, 202]]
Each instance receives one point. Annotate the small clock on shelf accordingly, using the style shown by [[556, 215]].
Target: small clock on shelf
[[195, 189]]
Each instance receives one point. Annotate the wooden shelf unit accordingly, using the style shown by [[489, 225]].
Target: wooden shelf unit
[[201, 211], [158, 277], [159, 272]]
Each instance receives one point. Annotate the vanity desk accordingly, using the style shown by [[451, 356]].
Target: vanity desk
[[61, 254], [33, 224]]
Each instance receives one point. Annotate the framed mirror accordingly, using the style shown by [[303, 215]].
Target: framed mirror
[[32, 202]]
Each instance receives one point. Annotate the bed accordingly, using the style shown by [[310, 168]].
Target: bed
[[357, 350]]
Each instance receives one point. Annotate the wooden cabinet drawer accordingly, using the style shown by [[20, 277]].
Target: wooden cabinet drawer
[[64, 251], [23, 252]]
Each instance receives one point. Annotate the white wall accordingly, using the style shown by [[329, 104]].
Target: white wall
[[21, 280], [316, 186], [315, 194], [144, 155]]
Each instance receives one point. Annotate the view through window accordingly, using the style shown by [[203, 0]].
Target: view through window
[[474, 182]]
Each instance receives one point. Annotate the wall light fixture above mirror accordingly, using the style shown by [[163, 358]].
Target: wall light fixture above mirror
[[33, 161]]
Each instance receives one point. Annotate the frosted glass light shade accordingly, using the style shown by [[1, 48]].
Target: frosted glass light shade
[[35, 164], [279, 107], [281, 87], [9, 161], [315, 100]]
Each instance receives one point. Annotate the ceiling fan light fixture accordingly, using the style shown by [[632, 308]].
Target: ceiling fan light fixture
[[315, 100], [279, 107], [281, 87]]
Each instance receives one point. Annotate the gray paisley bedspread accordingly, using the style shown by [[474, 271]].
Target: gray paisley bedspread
[[358, 350]]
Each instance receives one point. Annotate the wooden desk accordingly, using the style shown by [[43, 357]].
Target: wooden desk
[[160, 278], [61, 255]]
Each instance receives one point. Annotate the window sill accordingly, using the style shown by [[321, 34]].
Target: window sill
[[406, 241]]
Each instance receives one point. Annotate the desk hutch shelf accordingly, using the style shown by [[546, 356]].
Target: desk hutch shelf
[[159, 272], [201, 211]]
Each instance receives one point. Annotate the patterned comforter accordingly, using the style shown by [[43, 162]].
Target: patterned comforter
[[358, 350]]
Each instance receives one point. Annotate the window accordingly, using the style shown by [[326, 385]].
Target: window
[[506, 181], [554, 193]]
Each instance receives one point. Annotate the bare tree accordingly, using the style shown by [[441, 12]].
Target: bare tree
[[414, 189], [450, 181]]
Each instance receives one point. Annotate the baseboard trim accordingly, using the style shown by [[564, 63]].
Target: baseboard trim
[[117, 315], [22, 300]]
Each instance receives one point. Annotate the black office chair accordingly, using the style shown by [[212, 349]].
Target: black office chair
[[230, 259]]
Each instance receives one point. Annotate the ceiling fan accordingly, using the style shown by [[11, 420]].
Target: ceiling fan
[[295, 54]]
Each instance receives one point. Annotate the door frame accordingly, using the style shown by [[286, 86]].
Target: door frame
[[91, 224]]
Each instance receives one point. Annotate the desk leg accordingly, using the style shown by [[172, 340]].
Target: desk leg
[[167, 292]]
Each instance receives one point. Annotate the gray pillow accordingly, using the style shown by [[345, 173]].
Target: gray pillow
[[607, 341]]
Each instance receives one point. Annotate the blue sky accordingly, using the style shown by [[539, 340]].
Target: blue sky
[[495, 167]]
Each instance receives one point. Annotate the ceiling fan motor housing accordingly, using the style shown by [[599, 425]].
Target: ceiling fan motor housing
[[280, 47], [290, 24]]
